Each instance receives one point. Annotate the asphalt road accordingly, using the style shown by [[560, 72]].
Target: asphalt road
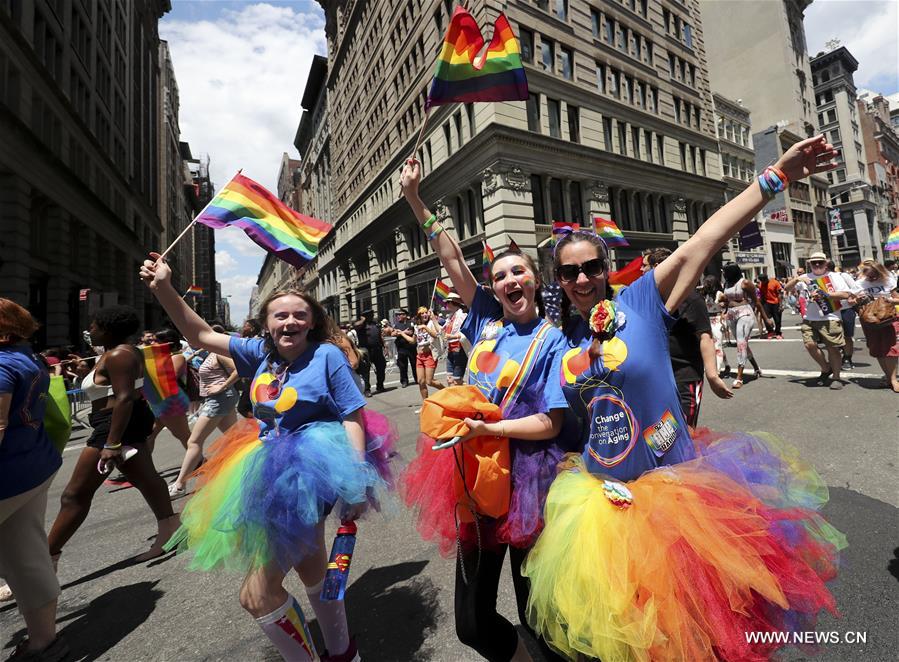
[[400, 599]]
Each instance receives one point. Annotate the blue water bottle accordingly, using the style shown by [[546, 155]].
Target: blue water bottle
[[338, 571]]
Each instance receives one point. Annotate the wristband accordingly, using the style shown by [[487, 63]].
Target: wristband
[[112, 447], [780, 175], [437, 230], [428, 223]]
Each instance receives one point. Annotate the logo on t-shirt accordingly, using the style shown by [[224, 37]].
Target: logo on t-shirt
[[612, 430], [660, 436]]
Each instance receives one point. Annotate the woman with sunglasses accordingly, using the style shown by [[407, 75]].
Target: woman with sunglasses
[[506, 329], [268, 485], [656, 546]]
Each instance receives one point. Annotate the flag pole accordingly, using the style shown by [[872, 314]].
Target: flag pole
[[192, 223], [433, 293], [421, 134]]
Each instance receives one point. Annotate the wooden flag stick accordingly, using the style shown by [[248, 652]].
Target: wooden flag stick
[[433, 294], [421, 134]]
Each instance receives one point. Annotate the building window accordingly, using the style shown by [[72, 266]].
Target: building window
[[610, 30], [554, 114], [561, 9], [660, 143], [537, 197], [457, 120], [635, 139], [613, 83], [574, 125], [548, 54], [567, 63], [556, 203], [688, 36], [607, 132], [601, 78], [622, 138], [683, 157], [469, 110], [577, 202], [595, 23], [648, 136], [533, 110], [448, 137], [677, 110], [526, 39]]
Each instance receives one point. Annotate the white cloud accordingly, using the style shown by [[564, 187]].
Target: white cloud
[[240, 288], [867, 28], [240, 243], [224, 263]]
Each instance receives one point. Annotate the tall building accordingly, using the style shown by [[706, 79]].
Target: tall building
[[850, 191], [288, 182], [174, 212], [757, 54], [881, 142], [618, 124], [207, 304], [79, 162], [734, 128]]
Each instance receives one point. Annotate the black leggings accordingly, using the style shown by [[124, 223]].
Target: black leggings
[[477, 623]]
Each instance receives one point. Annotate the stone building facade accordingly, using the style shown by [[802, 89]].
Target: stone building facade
[[838, 118], [881, 142], [79, 163], [619, 123]]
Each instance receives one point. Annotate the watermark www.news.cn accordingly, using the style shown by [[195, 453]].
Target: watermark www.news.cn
[[807, 638]]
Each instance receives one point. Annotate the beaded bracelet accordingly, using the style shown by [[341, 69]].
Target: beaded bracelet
[[428, 223], [437, 230]]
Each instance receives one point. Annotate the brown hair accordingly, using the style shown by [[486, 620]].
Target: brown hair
[[323, 327], [601, 248], [656, 256], [538, 279], [876, 266], [16, 322]]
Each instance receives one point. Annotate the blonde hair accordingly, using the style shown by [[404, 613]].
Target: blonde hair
[[876, 266]]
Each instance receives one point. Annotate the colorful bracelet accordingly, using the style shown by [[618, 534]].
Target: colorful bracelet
[[437, 230], [780, 175], [112, 447], [428, 223], [772, 181]]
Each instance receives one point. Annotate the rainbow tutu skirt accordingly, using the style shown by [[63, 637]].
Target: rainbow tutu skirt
[[260, 501], [682, 562]]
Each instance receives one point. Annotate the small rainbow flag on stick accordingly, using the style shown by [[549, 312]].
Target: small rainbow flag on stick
[[609, 232], [441, 291], [461, 76], [486, 260], [562, 228], [273, 225], [159, 370], [893, 240], [195, 290]]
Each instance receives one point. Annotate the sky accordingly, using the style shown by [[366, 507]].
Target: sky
[[241, 68]]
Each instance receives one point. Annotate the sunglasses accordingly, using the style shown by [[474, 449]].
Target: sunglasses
[[567, 273], [817, 263]]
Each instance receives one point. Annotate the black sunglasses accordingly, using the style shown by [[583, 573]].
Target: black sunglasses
[[818, 263], [591, 268]]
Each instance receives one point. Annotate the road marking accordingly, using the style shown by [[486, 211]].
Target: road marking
[[808, 374]]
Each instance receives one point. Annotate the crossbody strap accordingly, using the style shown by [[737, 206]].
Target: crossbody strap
[[524, 370]]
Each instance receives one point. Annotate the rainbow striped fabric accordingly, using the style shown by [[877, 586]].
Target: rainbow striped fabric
[[195, 289], [273, 225], [560, 229], [486, 260], [159, 370], [441, 291], [893, 240], [461, 76], [609, 232]]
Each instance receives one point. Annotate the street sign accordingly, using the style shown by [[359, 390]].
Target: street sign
[[750, 258], [836, 223], [778, 216]]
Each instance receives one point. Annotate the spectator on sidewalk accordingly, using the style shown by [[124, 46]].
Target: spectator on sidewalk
[[371, 346], [821, 323], [772, 294], [847, 315], [404, 336], [456, 356]]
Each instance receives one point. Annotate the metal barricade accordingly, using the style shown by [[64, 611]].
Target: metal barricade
[[79, 407]]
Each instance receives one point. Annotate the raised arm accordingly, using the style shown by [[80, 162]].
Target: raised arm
[[446, 247], [158, 277], [677, 275]]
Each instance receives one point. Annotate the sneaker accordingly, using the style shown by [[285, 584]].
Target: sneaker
[[823, 377], [368, 393], [836, 385], [850, 365], [176, 491], [55, 652]]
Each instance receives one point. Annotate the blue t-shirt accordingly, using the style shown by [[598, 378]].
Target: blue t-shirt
[[498, 346], [27, 457], [627, 398], [318, 386]]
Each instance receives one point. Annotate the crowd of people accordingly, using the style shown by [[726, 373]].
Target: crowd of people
[[625, 523]]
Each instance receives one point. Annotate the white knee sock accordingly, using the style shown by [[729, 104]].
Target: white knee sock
[[331, 615], [286, 628]]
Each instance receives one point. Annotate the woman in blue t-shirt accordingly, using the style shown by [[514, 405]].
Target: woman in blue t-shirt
[[269, 483], [513, 349], [656, 546], [28, 463]]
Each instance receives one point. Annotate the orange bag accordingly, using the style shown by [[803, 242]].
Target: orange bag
[[485, 462]]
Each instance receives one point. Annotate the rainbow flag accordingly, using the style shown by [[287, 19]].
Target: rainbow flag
[[819, 288], [486, 260], [893, 240], [461, 76], [195, 289], [273, 225], [513, 246], [160, 371], [441, 291], [561, 228], [609, 232]]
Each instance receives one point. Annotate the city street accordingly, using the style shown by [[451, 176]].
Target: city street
[[400, 599]]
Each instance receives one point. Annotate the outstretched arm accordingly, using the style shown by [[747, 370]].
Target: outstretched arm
[[158, 277], [677, 275], [444, 245]]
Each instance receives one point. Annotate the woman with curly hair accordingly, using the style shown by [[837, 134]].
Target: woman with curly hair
[[270, 482], [121, 419]]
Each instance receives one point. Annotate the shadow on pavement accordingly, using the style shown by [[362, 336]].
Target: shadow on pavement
[[407, 609], [102, 572], [108, 619]]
